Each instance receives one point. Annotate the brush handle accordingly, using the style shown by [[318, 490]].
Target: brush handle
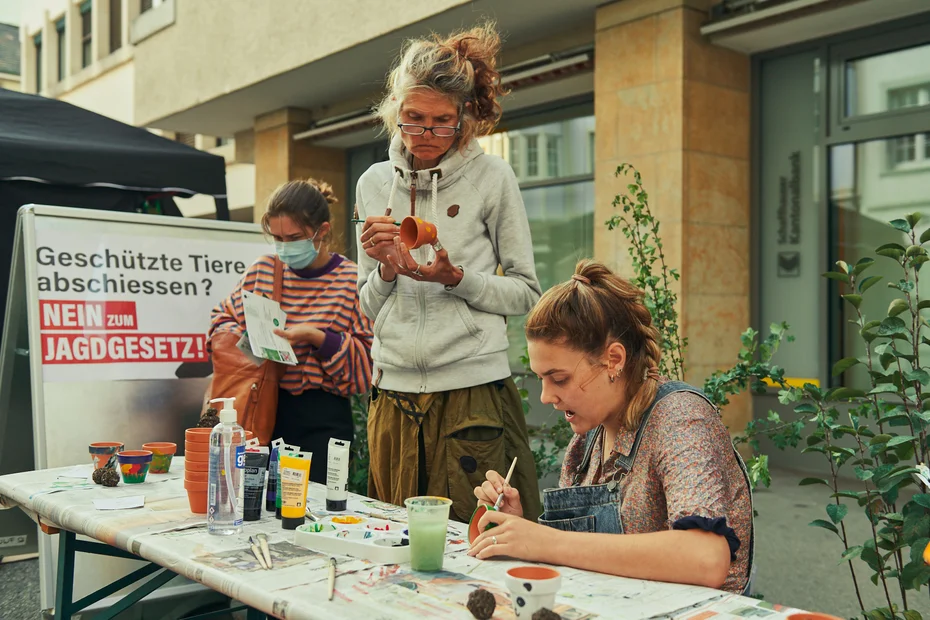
[[363, 221], [500, 498]]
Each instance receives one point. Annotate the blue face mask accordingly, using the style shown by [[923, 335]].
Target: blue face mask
[[297, 254]]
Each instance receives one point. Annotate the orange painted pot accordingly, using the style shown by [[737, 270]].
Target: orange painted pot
[[415, 232], [190, 465], [103, 453], [473, 531], [190, 447], [195, 476], [198, 435], [197, 496], [162, 453]]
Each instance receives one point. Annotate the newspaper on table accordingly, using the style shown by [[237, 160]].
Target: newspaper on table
[[262, 317], [164, 531]]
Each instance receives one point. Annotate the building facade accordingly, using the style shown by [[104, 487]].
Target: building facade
[[83, 52], [773, 136], [9, 57]]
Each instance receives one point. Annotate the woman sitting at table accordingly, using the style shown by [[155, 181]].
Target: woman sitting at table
[[651, 457]]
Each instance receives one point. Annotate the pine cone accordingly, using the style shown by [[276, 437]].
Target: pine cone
[[546, 614], [209, 418], [110, 478], [481, 604]]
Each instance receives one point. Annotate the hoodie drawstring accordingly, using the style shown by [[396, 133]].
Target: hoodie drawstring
[[397, 175], [434, 200]]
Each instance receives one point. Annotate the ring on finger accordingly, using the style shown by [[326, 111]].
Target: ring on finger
[[417, 271], [371, 242], [494, 539]]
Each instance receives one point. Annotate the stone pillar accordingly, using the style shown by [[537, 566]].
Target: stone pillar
[[278, 159], [677, 108]]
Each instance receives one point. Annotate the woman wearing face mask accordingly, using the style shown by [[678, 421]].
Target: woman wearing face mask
[[325, 326], [445, 409], [650, 459]]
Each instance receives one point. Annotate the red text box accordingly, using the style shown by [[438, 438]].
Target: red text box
[[87, 316], [122, 348]]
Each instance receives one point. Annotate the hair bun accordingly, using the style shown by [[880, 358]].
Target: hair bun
[[325, 189]]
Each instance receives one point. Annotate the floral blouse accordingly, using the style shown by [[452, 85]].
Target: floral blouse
[[686, 475]]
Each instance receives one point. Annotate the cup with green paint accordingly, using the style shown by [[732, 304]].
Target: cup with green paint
[[427, 523]]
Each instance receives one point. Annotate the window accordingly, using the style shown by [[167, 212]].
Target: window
[[148, 5], [62, 48], [560, 207], [515, 154], [906, 152], [116, 25], [185, 138], [532, 155], [87, 51], [222, 141], [37, 41], [862, 75], [552, 156]]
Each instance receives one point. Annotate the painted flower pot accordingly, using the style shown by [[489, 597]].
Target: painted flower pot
[[197, 496], [415, 232], [162, 452], [103, 453], [473, 531], [134, 465], [532, 588]]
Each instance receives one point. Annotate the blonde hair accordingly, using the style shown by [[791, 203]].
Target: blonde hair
[[304, 201], [461, 67], [594, 309]]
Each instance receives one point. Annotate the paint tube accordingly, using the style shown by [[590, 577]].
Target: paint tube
[[256, 460], [337, 474], [282, 449], [295, 474], [272, 492]]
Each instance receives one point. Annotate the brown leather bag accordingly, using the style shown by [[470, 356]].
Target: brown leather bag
[[254, 387]]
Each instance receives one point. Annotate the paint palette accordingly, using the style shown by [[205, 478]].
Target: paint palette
[[375, 540]]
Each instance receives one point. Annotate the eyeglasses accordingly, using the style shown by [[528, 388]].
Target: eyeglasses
[[440, 131]]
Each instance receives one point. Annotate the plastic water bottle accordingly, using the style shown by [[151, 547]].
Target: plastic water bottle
[[225, 482]]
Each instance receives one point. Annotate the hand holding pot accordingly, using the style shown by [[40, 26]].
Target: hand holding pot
[[513, 537], [440, 270]]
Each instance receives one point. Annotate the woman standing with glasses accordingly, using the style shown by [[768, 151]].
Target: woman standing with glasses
[[444, 408]]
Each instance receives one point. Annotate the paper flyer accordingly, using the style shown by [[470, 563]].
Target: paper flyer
[[262, 317]]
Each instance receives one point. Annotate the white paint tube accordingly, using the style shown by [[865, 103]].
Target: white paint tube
[[337, 475]]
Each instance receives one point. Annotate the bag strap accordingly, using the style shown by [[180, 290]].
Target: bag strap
[[277, 291]]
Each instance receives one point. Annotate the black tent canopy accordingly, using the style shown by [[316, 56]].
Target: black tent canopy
[[55, 153]]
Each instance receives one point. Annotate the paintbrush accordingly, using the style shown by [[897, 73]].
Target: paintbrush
[[332, 577], [363, 221], [500, 497], [263, 540], [257, 553]]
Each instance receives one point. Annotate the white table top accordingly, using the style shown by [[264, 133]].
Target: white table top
[[164, 531]]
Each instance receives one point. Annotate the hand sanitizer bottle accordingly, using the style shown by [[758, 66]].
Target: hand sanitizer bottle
[[225, 480]]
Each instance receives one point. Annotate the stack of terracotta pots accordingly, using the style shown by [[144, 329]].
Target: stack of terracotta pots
[[197, 466]]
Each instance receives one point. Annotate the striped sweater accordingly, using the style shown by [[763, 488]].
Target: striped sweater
[[327, 299]]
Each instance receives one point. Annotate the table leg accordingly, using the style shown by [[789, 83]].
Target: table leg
[[64, 586]]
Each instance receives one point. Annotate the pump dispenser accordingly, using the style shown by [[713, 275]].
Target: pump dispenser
[[225, 480]]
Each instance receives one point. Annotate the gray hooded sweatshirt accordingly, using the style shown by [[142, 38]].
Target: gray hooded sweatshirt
[[429, 338]]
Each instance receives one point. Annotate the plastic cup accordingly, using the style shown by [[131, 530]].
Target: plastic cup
[[427, 523]]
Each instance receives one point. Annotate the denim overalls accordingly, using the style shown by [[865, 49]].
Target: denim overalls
[[596, 508]]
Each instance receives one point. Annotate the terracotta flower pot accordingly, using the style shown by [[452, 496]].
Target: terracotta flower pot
[[196, 457], [195, 476], [196, 447], [197, 496], [103, 453], [473, 531], [190, 465], [415, 232], [134, 465], [198, 435], [162, 452]]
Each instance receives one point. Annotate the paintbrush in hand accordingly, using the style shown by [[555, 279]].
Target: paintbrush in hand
[[500, 498]]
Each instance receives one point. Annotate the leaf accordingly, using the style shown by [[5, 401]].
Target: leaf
[[862, 264], [868, 283], [854, 300], [922, 498], [891, 250], [837, 512], [897, 441], [896, 307], [884, 388], [804, 408], [913, 218], [844, 393], [919, 374], [901, 225], [808, 481], [843, 365], [841, 277], [925, 303], [825, 525], [891, 326], [883, 438], [852, 553], [849, 494], [912, 614], [864, 474], [925, 235]]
